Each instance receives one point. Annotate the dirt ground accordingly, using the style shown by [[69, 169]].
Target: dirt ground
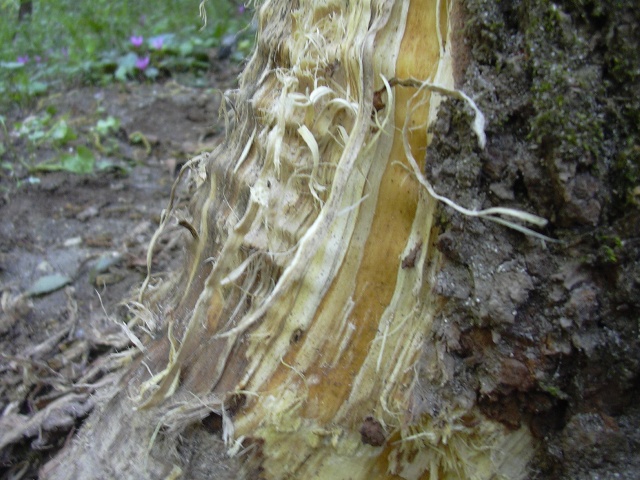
[[87, 236]]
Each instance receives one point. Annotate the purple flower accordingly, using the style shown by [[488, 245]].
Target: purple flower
[[241, 9], [23, 60], [142, 62], [136, 40], [156, 43], [38, 59]]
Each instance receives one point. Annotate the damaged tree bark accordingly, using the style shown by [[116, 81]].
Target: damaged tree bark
[[327, 322]]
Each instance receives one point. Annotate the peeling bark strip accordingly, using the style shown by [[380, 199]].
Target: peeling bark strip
[[292, 295]]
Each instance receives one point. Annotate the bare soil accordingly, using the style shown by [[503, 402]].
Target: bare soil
[[93, 229]]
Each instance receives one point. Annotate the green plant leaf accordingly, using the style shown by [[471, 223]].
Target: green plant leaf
[[48, 284], [11, 65], [185, 49], [151, 72], [34, 127], [121, 73], [61, 133], [36, 88], [105, 165], [82, 161], [107, 126], [126, 66], [103, 264], [37, 135]]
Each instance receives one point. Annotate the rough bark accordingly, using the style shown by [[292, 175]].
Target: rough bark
[[547, 337], [348, 325]]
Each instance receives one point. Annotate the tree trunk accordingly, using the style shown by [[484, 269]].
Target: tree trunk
[[349, 308]]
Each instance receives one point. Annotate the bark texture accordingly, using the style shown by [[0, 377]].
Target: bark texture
[[334, 321], [546, 337]]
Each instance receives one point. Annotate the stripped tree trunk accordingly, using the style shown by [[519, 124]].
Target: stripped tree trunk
[[310, 319]]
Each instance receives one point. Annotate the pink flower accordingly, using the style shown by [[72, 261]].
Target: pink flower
[[142, 62], [136, 40], [156, 43]]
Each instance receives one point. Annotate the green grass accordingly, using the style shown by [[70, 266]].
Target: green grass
[[68, 42]]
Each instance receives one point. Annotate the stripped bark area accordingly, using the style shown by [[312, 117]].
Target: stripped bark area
[[307, 296]]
